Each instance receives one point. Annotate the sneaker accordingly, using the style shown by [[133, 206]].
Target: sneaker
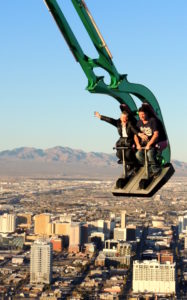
[[156, 174]]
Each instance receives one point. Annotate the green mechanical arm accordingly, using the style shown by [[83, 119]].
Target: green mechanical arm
[[119, 88]]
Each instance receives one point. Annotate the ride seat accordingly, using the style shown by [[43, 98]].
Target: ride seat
[[161, 145]]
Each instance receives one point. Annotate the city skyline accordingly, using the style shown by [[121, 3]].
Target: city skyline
[[65, 238], [44, 102]]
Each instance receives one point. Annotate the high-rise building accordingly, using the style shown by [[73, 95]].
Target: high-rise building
[[130, 233], [98, 225], [84, 233], [74, 237], [41, 222], [185, 242], [7, 223], [117, 252], [124, 249], [101, 225], [150, 276], [182, 224], [50, 230], [120, 234], [62, 228], [41, 262], [123, 219], [111, 244], [109, 226]]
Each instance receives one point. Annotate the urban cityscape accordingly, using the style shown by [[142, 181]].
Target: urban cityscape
[[65, 238], [89, 224]]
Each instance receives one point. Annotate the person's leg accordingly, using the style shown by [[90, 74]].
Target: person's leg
[[131, 160], [128, 156], [151, 155], [119, 155], [128, 159], [140, 157]]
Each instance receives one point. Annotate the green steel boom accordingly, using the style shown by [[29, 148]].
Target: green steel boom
[[119, 88]]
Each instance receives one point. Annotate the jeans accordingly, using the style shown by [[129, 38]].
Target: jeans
[[151, 157], [128, 153]]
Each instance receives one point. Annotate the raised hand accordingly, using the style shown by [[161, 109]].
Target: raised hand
[[97, 115]]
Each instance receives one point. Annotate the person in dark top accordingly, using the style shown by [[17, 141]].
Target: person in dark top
[[151, 114], [126, 131], [149, 127]]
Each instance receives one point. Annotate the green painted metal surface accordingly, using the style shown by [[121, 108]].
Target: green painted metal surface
[[119, 88]]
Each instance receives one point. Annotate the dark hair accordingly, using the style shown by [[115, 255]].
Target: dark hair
[[124, 107], [143, 109]]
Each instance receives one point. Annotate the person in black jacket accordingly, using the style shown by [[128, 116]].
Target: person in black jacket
[[126, 131]]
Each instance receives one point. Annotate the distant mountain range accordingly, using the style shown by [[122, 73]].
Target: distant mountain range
[[63, 161], [58, 154]]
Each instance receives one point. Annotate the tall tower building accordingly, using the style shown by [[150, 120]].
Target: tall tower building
[[41, 262], [7, 223], [74, 238], [83, 233], [41, 222], [123, 219], [150, 276]]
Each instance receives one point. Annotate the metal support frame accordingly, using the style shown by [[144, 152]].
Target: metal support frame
[[119, 88], [124, 164], [123, 159], [146, 164]]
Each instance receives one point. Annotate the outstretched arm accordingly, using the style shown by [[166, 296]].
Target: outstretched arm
[[106, 119]]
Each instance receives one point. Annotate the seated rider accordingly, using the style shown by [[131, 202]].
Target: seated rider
[[162, 142], [148, 126], [126, 131]]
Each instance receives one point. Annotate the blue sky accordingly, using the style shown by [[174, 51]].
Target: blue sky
[[43, 98]]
